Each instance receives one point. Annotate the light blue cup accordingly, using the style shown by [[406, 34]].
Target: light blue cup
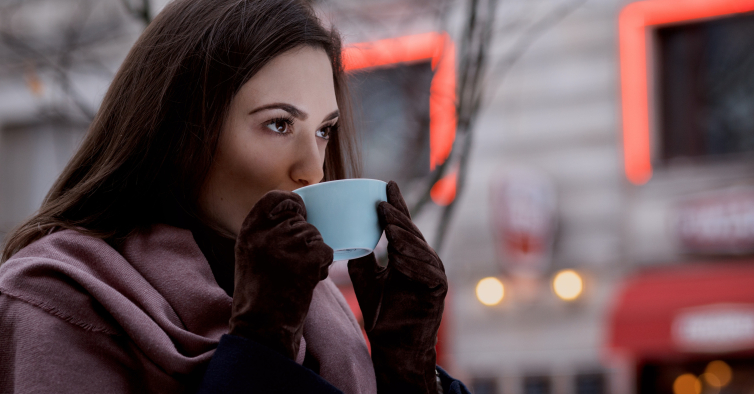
[[345, 213]]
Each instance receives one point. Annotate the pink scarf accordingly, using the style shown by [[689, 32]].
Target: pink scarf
[[160, 292]]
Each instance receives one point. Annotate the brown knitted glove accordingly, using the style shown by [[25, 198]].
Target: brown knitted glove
[[280, 258], [402, 303]]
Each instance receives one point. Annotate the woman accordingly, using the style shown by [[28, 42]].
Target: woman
[[171, 255]]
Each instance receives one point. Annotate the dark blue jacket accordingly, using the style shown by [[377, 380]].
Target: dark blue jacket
[[240, 365]]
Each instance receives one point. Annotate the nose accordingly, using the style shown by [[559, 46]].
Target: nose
[[308, 165]]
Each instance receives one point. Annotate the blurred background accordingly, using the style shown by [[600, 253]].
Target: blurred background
[[585, 168]]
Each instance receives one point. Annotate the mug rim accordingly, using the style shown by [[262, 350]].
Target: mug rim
[[339, 180]]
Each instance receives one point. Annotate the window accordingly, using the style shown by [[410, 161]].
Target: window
[[637, 19], [484, 386], [590, 383], [433, 49], [537, 385], [706, 88], [392, 104]]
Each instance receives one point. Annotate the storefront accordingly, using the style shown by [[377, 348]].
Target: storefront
[[675, 324]]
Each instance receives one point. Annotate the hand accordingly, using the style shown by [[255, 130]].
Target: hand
[[402, 303], [280, 258]]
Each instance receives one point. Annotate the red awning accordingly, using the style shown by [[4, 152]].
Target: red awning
[[685, 309]]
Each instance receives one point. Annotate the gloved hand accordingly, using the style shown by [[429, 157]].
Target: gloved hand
[[402, 303], [280, 258]]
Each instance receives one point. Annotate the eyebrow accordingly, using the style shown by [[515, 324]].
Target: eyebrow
[[295, 112]]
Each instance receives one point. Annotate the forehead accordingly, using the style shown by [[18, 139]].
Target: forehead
[[301, 77]]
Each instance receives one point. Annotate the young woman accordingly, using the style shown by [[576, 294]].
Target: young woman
[[171, 256]]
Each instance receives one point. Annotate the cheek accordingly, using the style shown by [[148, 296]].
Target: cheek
[[253, 163], [242, 173]]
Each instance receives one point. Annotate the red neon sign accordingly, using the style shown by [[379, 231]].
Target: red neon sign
[[439, 49], [633, 22]]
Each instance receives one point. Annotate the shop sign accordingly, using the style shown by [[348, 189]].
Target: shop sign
[[715, 328], [722, 222], [523, 217]]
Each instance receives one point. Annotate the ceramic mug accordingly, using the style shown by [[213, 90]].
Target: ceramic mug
[[345, 213]]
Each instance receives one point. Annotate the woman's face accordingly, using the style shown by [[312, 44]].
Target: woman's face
[[274, 137]]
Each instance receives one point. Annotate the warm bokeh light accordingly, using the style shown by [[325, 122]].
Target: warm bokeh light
[[687, 384], [490, 291], [568, 285], [718, 373]]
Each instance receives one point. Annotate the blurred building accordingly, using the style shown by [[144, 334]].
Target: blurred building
[[656, 221], [660, 234], [665, 260]]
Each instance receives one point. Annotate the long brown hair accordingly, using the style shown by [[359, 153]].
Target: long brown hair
[[152, 141]]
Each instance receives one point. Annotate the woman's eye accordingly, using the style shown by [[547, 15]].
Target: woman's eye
[[325, 132], [279, 126]]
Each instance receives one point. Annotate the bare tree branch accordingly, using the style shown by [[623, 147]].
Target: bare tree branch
[[65, 53], [61, 73], [470, 104], [530, 35]]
